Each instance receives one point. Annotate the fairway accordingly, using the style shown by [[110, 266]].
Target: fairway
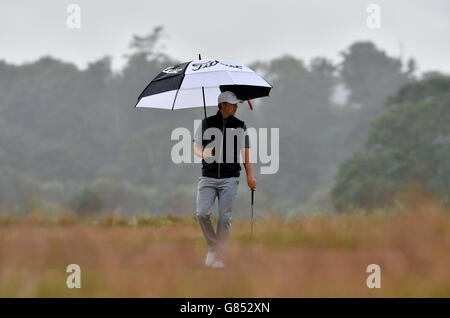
[[163, 257]]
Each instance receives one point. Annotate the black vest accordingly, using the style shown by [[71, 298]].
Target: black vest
[[222, 169]]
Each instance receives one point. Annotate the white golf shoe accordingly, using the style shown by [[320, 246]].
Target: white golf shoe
[[218, 264], [209, 259]]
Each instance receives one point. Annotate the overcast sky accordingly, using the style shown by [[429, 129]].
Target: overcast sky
[[239, 30]]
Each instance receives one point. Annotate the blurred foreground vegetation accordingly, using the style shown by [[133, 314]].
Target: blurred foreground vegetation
[[316, 256]]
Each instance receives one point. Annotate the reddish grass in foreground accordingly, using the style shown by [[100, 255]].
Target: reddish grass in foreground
[[312, 257]]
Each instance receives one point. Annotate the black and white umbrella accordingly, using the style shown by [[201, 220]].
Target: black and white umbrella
[[198, 83]]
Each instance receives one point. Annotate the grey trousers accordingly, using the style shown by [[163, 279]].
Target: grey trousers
[[225, 190]]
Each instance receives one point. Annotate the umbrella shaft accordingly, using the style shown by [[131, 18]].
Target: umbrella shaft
[[204, 102]]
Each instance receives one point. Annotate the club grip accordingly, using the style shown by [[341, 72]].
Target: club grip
[[253, 195]]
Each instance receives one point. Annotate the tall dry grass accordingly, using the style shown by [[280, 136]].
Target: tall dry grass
[[315, 256]]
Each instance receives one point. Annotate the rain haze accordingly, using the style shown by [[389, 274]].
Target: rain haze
[[103, 191]]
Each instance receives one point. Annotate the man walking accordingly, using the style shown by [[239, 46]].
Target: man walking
[[220, 173]]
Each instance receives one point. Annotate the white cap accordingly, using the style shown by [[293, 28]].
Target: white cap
[[229, 97]]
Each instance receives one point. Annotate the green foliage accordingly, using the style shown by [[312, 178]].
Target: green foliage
[[146, 45], [17, 188], [86, 202], [63, 129], [371, 75], [123, 195], [408, 145], [112, 220]]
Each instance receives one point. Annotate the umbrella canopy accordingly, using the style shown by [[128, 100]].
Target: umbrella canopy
[[198, 83]]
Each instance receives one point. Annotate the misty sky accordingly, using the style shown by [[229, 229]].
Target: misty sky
[[239, 30]]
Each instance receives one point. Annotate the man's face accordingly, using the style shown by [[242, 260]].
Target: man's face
[[229, 109]]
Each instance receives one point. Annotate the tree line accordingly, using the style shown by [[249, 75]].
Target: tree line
[[350, 132]]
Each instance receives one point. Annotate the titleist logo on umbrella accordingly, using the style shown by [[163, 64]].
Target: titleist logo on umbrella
[[173, 70], [212, 63]]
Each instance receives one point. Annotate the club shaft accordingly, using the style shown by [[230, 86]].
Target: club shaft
[[251, 215]]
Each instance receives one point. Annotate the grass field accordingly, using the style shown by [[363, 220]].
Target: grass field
[[316, 256]]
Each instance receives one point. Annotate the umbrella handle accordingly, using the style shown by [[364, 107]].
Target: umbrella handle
[[250, 104]]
